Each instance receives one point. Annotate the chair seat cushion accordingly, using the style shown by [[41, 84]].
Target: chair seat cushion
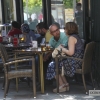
[[20, 73]]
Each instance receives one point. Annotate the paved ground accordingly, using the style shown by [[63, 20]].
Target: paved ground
[[25, 93]]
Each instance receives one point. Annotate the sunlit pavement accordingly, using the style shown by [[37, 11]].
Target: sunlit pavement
[[25, 93]]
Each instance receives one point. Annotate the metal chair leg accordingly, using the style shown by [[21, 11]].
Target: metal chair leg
[[92, 81], [3, 83], [17, 84], [57, 75], [83, 78], [6, 85]]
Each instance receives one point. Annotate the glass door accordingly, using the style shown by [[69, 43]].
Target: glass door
[[64, 11], [33, 12], [0, 17], [0, 13]]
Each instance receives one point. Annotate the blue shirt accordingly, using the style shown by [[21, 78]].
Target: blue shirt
[[30, 36], [62, 40]]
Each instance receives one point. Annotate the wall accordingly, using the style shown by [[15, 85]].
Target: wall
[[95, 35]]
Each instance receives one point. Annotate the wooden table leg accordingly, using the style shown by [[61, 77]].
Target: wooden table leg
[[41, 73]]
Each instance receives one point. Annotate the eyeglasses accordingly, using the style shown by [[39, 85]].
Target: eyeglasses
[[54, 30]]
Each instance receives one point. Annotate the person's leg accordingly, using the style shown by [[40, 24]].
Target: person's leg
[[61, 82], [45, 66], [64, 80], [62, 86]]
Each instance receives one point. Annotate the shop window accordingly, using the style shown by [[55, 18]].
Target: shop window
[[64, 11]]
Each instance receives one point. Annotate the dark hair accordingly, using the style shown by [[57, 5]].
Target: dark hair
[[43, 25], [79, 4], [71, 28], [15, 24]]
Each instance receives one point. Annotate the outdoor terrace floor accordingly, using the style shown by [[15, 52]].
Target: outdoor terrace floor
[[25, 93]]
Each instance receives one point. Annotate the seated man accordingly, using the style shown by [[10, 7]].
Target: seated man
[[45, 31], [56, 39], [42, 35], [15, 29]]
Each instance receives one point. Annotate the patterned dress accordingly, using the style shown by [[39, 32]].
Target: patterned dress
[[70, 65]]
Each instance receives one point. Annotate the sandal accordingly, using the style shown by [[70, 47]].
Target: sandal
[[62, 88], [66, 85]]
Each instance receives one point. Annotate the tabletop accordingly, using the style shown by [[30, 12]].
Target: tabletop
[[8, 47], [35, 50]]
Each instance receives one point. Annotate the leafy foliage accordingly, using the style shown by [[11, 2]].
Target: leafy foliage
[[69, 3], [34, 6]]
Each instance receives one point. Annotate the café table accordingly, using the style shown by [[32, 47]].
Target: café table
[[10, 48], [40, 53]]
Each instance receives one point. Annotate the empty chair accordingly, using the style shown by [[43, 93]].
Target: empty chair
[[10, 74]]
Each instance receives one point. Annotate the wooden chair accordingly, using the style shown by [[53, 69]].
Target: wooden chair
[[86, 64], [10, 74]]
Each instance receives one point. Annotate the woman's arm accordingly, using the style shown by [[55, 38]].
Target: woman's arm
[[71, 46]]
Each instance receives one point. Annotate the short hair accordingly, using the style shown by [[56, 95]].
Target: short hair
[[79, 4], [15, 24], [56, 24], [71, 28], [42, 25]]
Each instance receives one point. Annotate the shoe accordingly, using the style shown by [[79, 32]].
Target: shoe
[[62, 88]]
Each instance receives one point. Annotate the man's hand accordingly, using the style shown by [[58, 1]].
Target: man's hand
[[46, 56]]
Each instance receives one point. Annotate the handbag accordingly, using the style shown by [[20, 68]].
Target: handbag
[[57, 53]]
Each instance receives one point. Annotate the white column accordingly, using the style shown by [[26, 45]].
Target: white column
[[14, 10]]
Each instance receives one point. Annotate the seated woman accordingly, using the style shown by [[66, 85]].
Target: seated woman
[[28, 34], [75, 49]]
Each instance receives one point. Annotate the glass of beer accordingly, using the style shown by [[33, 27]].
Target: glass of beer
[[43, 48], [47, 46]]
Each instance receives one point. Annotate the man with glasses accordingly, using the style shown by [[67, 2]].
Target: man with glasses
[[56, 39]]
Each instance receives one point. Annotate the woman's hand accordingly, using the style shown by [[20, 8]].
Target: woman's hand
[[60, 47], [64, 50]]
